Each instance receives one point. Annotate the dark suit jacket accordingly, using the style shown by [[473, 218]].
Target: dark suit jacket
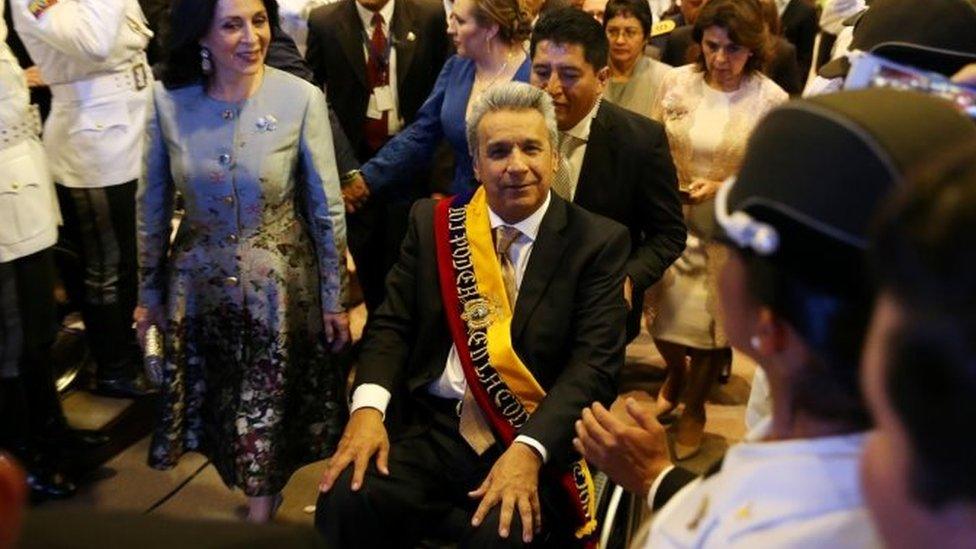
[[566, 325], [335, 52], [800, 26], [678, 47], [783, 67], [628, 176]]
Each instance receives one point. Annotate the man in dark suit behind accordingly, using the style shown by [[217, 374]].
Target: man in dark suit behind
[[618, 164], [567, 269], [376, 78]]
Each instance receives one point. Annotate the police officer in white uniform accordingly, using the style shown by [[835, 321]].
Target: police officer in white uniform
[[32, 425], [91, 53], [795, 480]]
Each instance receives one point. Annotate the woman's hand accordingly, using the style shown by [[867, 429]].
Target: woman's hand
[[145, 317], [701, 190], [336, 330]]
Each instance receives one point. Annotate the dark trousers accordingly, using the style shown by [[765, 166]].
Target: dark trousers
[[375, 233], [99, 226], [29, 403], [425, 496]]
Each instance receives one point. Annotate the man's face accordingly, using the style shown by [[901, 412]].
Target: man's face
[[574, 85], [887, 452], [595, 8], [515, 162]]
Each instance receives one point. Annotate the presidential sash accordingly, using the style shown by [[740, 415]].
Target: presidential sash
[[479, 317]]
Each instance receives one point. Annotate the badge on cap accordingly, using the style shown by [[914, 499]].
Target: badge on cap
[[38, 7], [663, 26]]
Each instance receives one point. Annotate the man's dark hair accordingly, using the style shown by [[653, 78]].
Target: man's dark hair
[[572, 26], [638, 9], [922, 261], [189, 22], [743, 21]]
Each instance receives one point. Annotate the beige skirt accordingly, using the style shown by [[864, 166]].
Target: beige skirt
[[686, 308]]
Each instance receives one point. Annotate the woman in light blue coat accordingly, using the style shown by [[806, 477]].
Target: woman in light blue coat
[[248, 293]]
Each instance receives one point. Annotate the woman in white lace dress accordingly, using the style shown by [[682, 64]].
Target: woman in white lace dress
[[708, 109]]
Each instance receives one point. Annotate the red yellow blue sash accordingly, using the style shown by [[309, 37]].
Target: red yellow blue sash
[[479, 317]]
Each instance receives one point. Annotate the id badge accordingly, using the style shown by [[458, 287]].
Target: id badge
[[384, 98], [372, 111]]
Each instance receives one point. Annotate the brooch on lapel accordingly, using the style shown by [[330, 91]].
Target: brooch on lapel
[[267, 123]]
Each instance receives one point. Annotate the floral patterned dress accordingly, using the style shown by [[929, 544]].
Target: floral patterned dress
[[248, 380]]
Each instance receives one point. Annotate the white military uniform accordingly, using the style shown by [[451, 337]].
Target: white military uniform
[[91, 53], [28, 204], [794, 493]]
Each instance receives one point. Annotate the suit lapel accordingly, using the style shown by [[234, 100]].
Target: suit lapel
[[546, 254], [597, 159], [350, 34], [402, 29]]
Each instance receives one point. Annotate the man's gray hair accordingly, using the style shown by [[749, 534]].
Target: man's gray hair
[[511, 96]]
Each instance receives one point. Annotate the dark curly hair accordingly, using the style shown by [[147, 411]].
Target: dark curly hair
[[743, 21], [514, 22], [189, 22]]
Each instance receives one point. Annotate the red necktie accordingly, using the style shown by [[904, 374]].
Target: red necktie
[[377, 75]]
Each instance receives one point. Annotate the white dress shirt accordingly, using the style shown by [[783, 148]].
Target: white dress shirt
[[581, 131], [451, 383], [366, 16]]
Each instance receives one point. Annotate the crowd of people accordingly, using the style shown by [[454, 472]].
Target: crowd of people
[[520, 185]]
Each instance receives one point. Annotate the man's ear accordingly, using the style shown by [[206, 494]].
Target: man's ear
[[603, 75]]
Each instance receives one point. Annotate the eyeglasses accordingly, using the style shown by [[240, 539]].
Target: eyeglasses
[[629, 33]]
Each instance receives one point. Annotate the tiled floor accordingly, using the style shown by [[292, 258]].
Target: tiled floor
[[194, 490]]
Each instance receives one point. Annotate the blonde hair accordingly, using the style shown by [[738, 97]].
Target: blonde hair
[[511, 16]]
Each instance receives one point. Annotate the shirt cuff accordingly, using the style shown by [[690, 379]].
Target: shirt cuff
[[370, 395], [536, 445], [657, 484]]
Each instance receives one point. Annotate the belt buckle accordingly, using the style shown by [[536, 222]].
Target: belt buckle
[[139, 76]]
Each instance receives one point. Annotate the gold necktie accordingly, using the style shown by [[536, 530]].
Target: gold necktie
[[562, 184], [472, 424]]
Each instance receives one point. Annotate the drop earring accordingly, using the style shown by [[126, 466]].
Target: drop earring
[[206, 65], [755, 343]]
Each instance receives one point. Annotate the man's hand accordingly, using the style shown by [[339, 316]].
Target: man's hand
[[34, 78], [701, 190], [514, 482], [632, 451], [629, 292], [336, 330], [355, 192], [364, 437]]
